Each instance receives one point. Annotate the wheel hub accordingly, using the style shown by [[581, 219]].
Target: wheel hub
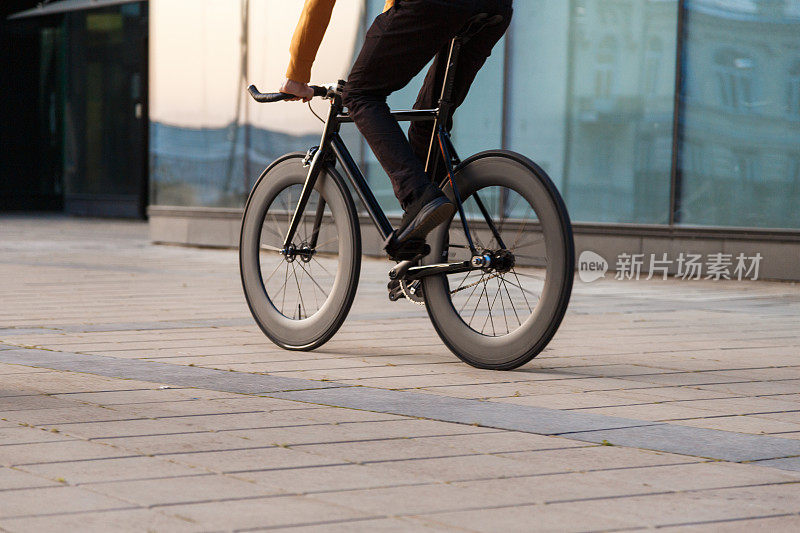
[[489, 261], [304, 252]]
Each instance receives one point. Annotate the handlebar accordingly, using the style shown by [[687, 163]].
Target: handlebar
[[277, 97]]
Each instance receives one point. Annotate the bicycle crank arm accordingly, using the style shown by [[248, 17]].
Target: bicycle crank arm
[[419, 272]]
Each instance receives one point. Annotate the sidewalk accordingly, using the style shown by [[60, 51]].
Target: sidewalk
[[137, 394]]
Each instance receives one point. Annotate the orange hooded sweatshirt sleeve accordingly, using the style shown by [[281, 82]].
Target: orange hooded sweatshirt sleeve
[[308, 36]]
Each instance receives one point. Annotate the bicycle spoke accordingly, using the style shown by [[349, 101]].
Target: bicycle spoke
[[490, 309], [537, 241], [301, 304], [511, 301], [462, 283], [273, 273], [529, 276], [285, 281], [323, 267], [507, 210], [503, 304], [524, 290], [313, 288], [470, 295], [483, 289], [519, 233], [276, 232], [313, 280], [328, 242]]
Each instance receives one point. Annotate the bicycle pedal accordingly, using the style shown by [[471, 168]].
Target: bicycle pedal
[[395, 291]]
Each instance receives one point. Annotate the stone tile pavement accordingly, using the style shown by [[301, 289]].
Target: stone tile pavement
[[150, 401]]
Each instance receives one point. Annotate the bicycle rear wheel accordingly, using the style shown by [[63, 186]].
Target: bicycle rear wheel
[[502, 317], [301, 296]]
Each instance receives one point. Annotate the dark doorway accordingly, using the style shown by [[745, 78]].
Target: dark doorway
[[105, 115], [88, 145]]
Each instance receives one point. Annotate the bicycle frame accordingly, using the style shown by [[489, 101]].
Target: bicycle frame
[[332, 147]]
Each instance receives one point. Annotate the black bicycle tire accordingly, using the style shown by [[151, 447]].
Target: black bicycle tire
[[568, 267], [351, 283]]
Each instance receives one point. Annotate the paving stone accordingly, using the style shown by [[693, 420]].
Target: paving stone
[[701, 475], [787, 463], [264, 513], [765, 524], [132, 520], [411, 500], [256, 458], [12, 478], [63, 416], [357, 431], [697, 442], [757, 425], [56, 451], [215, 406], [545, 518], [182, 490], [124, 428], [28, 502], [9, 404], [522, 418], [385, 525], [157, 372], [175, 444], [674, 508], [28, 435], [339, 477], [109, 470]]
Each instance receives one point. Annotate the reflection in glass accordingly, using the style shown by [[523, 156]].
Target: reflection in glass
[[208, 141], [740, 121], [591, 100]]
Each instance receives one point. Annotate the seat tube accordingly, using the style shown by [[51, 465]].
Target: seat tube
[[445, 105]]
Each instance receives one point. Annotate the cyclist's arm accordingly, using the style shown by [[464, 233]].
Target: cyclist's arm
[[307, 37]]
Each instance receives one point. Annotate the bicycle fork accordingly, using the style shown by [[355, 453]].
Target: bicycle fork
[[316, 160]]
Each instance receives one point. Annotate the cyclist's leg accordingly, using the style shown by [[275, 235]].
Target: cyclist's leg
[[397, 46], [473, 56]]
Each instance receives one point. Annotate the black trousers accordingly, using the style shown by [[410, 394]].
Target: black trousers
[[398, 45]]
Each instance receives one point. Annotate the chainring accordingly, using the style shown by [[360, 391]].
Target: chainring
[[412, 290]]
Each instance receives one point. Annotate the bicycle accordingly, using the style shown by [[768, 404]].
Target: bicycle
[[509, 243]]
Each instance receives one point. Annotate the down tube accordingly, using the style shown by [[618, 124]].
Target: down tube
[[361, 186]]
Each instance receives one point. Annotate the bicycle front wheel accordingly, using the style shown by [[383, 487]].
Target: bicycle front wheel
[[502, 316], [299, 296]]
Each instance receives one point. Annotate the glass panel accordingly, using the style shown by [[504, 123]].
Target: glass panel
[[591, 99], [195, 136], [740, 122]]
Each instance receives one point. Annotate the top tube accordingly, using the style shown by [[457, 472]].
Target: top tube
[[401, 115]]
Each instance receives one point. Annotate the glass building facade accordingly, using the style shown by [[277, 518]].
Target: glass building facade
[[645, 112]]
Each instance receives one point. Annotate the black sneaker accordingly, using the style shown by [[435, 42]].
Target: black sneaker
[[429, 210]]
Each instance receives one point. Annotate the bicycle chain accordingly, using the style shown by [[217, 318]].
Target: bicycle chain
[[482, 280]]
